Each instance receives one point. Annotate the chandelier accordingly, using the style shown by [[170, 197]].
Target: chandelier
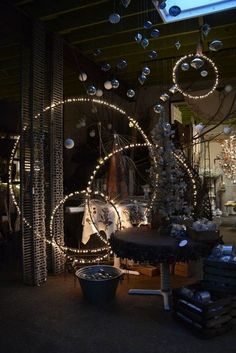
[[227, 158]]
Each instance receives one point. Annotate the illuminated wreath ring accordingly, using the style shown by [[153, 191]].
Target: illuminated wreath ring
[[215, 69]]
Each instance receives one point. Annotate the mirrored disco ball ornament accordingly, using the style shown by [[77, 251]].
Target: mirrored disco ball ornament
[[205, 29], [215, 45], [69, 143], [138, 37], [177, 44], [125, 3], [164, 97], [99, 92], [197, 63], [92, 133], [147, 24], [155, 33], [97, 52], [162, 4], [114, 18], [145, 42], [108, 85], [227, 130], [130, 93], [105, 67], [173, 89], [115, 83], [184, 66], [91, 90], [204, 73], [158, 108], [152, 54], [122, 64], [174, 11], [83, 76], [142, 79], [228, 88], [146, 71]]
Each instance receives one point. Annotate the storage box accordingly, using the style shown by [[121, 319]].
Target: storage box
[[203, 236], [206, 319], [188, 269], [147, 270]]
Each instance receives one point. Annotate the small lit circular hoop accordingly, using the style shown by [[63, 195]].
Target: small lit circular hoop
[[211, 62]]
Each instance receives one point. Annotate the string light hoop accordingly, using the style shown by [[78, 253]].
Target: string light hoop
[[210, 62]]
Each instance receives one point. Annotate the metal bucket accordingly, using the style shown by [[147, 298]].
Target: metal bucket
[[98, 288]]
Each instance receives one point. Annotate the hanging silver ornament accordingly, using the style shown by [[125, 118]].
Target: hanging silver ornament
[[173, 89], [205, 29], [174, 11], [83, 76], [99, 92], [125, 3], [199, 127], [122, 64], [114, 18], [142, 79], [152, 54], [215, 45], [146, 71], [155, 33], [105, 67], [69, 143], [158, 108], [138, 37], [227, 130], [145, 42], [228, 88], [91, 90], [147, 24], [108, 85], [164, 97], [130, 93], [197, 63], [177, 44], [204, 73], [92, 133], [184, 66], [97, 52], [115, 83]]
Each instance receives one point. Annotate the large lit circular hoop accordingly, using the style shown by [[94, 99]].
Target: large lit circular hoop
[[215, 69]]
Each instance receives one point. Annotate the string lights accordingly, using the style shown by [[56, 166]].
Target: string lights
[[180, 61]]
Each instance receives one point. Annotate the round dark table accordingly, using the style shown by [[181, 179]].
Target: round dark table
[[143, 244]]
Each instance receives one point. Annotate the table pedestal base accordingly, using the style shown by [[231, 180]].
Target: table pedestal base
[[165, 290]]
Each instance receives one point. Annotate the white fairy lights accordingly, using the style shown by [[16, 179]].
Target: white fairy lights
[[188, 95]]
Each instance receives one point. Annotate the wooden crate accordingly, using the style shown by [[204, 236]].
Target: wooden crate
[[206, 320], [220, 276], [203, 236], [188, 269], [147, 270]]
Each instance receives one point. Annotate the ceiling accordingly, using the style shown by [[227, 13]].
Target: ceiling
[[84, 27]]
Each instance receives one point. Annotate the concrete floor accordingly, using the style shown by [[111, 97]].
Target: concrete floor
[[54, 318]]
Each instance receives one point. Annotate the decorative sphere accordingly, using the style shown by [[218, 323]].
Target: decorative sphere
[[215, 45], [142, 78], [204, 73], [199, 127], [197, 63], [122, 64], [228, 88], [130, 93], [155, 33], [114, 18], [99, 92], [105, 67], [146, 71], [91, 90], [108, 85], [115, 83], [184, 66], [227, 130], [83, 77], [145, 42], [92, 133], [162, 4], [174, 10], [158, 108], [147, 24], [69, 143], [152, 55], [138, 37]]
